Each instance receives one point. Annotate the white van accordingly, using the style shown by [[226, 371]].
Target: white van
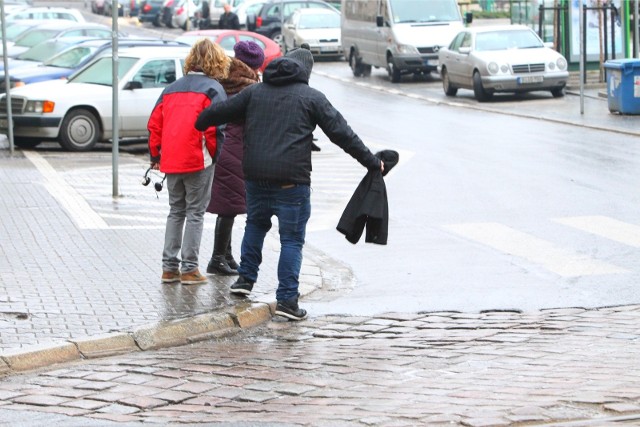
[[403, 36]]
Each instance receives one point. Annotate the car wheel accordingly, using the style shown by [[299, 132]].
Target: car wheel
[[356, 67], [26, 142], [449, 89], [277, 37], [478, 90], [79, 130], [394, 72], [156, 21], [558, 92]]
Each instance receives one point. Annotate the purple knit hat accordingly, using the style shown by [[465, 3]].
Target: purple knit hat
[[250, 53]]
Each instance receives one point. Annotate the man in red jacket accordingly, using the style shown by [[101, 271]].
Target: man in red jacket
[[187, 156]]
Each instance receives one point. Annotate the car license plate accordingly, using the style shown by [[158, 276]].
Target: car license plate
[[327, 48], [530, 79]]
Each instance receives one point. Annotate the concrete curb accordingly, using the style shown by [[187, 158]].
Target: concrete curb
[[219, 323], [150, 337]]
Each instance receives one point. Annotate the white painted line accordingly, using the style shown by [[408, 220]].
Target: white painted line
[[513, 242], [75, 205], [603, 226]]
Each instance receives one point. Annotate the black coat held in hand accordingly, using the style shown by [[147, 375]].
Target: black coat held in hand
[[369, 205]]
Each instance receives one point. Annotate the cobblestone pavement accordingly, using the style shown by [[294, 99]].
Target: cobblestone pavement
[[553, 367]]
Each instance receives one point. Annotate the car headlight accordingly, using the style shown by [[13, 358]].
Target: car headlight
[[561, 63], [493, 67], [406, 48], [39, 107]]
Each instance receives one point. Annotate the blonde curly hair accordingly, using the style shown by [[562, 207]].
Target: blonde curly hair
[[209, 58]]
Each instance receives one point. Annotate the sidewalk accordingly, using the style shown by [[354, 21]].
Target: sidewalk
[[80, 270]]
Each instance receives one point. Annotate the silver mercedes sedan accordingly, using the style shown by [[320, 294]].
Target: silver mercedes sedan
[[508, 58]]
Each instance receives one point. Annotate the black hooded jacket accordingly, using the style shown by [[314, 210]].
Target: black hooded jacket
[[280, 115], [369, 206]]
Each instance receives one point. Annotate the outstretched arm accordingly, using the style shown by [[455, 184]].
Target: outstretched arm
[[231, 110]]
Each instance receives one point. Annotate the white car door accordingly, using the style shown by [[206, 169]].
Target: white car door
[[136, 104]]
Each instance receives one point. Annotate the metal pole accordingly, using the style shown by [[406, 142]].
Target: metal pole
[[582, 22], [7, 80], [636, 37], [115, 123]]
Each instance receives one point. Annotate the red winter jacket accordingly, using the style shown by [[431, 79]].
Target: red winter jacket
[[174, 142]]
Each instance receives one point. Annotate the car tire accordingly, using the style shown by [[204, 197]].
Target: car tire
[[558, 92], [478, 90], [156, 21], [356, 67], [449, 89], [26, 142], [394, 72], [79, 130], [277, 37]]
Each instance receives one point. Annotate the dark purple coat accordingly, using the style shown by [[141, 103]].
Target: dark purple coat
[[227, 191]]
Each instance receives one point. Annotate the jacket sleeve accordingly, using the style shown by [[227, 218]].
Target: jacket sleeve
[[154, 126], [340, 133], [231, 110], [213, 136]]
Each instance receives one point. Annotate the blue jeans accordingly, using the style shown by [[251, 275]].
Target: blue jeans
[[292, 207]]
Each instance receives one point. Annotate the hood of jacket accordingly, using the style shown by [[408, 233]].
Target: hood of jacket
[[284, 71], [240, 76]]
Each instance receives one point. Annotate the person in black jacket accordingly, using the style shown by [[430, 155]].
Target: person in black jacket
[[280, 115], [228, 20]]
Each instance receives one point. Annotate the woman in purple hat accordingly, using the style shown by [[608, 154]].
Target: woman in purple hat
[[227, 192]]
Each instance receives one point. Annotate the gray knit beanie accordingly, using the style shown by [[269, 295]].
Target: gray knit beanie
[[303, 56]]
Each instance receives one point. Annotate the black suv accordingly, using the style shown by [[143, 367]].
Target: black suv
[[151, 11], [270, 18]]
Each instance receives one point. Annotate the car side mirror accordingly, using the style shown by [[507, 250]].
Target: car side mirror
[[464, 50], [380, 21], [251, 21], [133, 85], [468, 17]]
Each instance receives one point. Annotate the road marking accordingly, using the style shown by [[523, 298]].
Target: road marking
[[75, 205], [603, 226], [513, 242]]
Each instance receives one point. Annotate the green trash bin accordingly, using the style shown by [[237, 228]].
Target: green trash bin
[[623, 85]]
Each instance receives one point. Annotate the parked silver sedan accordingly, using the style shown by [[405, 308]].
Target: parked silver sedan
[[319, 28], [501, 59]]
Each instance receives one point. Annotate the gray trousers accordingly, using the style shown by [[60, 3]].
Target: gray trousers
[[189, 195]]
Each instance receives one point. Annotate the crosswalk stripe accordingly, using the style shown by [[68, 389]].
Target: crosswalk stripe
[[513, 242], [603, 226], [73, 202]]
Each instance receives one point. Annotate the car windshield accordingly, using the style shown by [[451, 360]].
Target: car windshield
[[71, 58], [407, 11], [509, 39], [319, 21], [99, 72], [43, 51], [15, 30], [33, 38]]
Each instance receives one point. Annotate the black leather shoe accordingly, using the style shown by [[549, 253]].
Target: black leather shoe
[[290, 309], [218, 265], [241, 287]]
